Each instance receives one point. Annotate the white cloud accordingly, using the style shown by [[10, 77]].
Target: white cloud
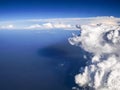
[[10, 26], [56, 23], [47, 26], [35, 26], [103, 41], [50, 26], [64, 26]]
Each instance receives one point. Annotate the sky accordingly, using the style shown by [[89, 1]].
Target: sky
[[26, 9], [47, 10]]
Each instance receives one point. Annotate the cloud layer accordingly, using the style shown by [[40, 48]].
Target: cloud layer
[[50, 26], [102, 39], [54, 23], [9, 26]]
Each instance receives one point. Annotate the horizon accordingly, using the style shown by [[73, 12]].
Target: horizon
[[54, 23], [20, 14]]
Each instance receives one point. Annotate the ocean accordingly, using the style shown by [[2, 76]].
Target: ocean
[[38, 60]]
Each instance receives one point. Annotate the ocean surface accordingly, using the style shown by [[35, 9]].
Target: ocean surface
[[38, 60]]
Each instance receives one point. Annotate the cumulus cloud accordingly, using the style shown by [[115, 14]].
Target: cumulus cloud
[[50, 26], [37, 26], [47, 25], [102, 39]]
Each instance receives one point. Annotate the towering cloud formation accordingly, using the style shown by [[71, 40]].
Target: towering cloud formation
[[103, 41]]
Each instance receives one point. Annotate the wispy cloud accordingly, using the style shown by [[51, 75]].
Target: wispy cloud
[[9, 26]]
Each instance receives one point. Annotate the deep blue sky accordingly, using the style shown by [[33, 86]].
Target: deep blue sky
[[25, 9]]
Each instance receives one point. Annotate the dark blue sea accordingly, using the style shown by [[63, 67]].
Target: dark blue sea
[[38, 60]]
